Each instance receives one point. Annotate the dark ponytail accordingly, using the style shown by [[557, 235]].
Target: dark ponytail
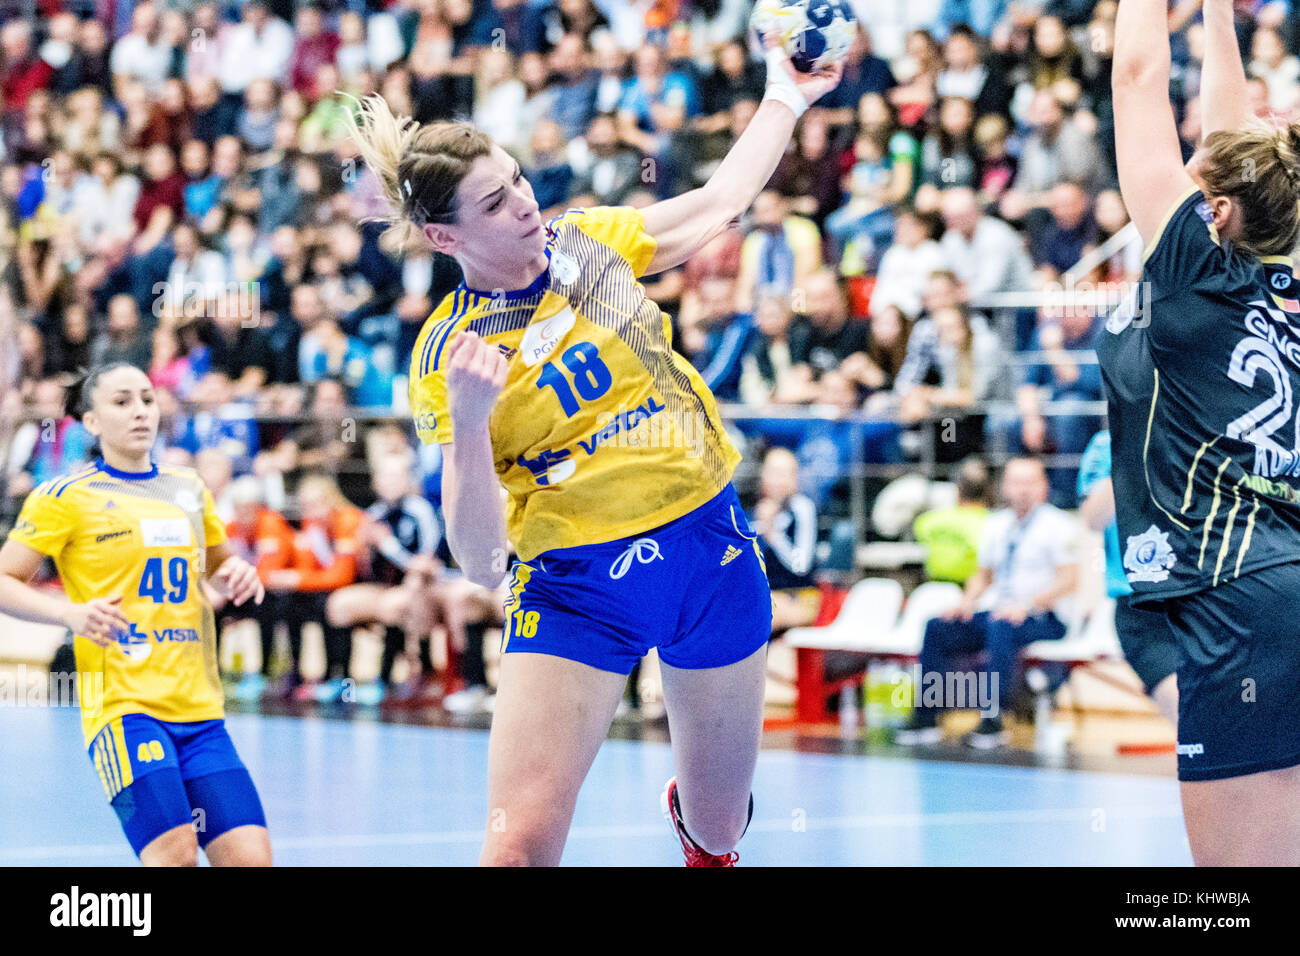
[[80, 392]]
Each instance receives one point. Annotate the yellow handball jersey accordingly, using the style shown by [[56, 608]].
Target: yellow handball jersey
[[602, 430], [142, 536]]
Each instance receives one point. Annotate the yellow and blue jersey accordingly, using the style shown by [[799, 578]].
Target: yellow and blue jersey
[[601, 430], [142, 536]]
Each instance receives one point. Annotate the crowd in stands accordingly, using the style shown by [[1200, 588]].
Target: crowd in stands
[[177, 190]]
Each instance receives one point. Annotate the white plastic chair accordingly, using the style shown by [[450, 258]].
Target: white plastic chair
[[1094, 640], [928, 601], [869, 612]]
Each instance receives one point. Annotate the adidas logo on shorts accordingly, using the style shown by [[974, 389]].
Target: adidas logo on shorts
[[732, 554]]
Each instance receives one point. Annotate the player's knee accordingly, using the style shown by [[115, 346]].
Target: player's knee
[[248, 855], [179, 847]]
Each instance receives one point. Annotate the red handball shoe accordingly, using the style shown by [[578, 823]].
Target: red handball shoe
[[673, 814]]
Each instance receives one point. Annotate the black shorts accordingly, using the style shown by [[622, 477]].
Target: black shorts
[[1239, 679], [1150, 647]]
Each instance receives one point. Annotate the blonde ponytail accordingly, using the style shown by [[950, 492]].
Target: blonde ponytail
[[418, 167]]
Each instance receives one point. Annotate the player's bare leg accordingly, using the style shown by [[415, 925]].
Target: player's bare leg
[[551, 717], [177, 847], [242, 846], [1244, 821], [715, 717]]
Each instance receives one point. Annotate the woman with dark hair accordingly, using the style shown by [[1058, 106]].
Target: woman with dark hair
[[809, 174], [948, 154], [131, 541]]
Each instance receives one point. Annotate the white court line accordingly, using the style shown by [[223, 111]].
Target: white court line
[[811, 822]]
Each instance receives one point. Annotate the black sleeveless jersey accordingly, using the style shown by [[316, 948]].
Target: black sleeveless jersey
[[1201, 366]]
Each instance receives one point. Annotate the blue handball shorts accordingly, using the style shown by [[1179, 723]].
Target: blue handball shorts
[[694, 588], [161, 775]]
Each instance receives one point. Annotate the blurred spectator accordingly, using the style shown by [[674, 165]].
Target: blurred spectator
[[997, 167], [867, 216], [575, 86], [734, 77], [948, 154], [265, 539], [260, 46], [123, 339], [219, 420], [1028, 569], [50, 443], [957, 375], [786, 524], [718, 339], [172, 368], [952, 536], [1271, 63], [765, 369], [237, 348], [67, 347], [1057, 150], [323, 560], [985, 252], [908, 264], [1069, 373], [399, 539], [326, 440], [24, 71], [822, 339], [1072, 230], [142, 54], [612, 169], [809, 174], [780, 252], [965, 76], [655, 107], [864, 74], [499, 101], [549, 172], [313, 46], [918, 76]]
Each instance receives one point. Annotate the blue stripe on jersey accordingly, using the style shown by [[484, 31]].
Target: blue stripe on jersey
[[74, 479], [464, 307], [430, 339], [436, 331]]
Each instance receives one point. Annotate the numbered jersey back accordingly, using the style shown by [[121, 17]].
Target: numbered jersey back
[[1202, 373]]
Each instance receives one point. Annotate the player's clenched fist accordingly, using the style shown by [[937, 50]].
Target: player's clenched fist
[[476, 373]]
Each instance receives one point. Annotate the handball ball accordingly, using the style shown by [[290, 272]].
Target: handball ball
[[814, 33]]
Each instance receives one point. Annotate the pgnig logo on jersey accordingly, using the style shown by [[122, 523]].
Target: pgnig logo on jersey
[[1148, 556]]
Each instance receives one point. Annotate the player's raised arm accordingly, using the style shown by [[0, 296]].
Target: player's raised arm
[[681, 226], [1223, 78], [1151, 174]]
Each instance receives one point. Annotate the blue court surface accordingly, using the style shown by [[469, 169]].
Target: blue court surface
[[375, 794]]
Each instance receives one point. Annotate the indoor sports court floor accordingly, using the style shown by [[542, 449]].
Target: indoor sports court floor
[[353, 792]]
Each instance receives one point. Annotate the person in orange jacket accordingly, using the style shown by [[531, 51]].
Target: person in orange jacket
[[262, 537], [324, 557]]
